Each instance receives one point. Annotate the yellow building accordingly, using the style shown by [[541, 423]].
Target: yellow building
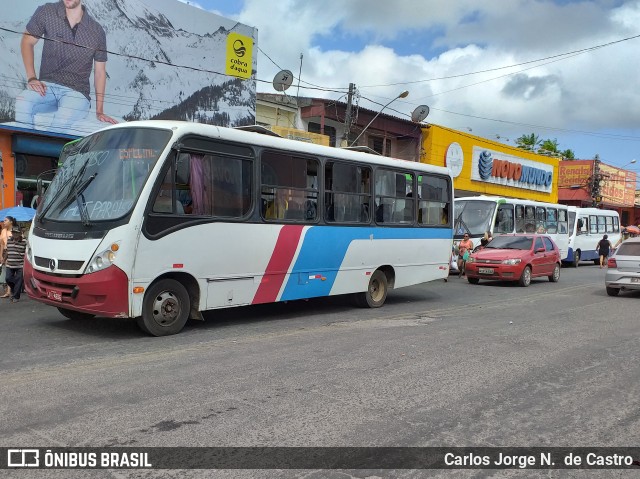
[[484, 167]]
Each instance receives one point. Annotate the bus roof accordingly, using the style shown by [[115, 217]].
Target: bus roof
[[181, 128], [504, 199]]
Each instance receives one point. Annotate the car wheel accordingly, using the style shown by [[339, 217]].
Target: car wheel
[[376, 292], [556, 274], [613, 291], [576, 258], [525, 278], [596, 262], [75, 315], [165, 308], [473, 280]]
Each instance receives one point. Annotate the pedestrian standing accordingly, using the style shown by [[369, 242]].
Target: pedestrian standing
[[603, 248], [5, 233], [465, 248], [16, 247]]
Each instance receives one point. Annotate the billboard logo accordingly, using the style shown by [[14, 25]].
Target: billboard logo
[[485, 165], [238, 48], [239, 55], [23, 458]]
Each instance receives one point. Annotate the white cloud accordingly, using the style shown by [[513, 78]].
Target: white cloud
[[384, 43]]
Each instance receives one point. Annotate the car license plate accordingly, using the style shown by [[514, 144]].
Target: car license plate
[[54, 295], [485, 270], [635, 280]]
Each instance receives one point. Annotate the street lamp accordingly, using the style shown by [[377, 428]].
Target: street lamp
[[404, 94], [630, 163]]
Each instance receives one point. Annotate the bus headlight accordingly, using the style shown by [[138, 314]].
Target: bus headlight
[[29, 253], [103, 259], [511, 261]]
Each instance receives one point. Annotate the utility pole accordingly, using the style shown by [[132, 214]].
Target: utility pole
[[347, 119], [595, 182]]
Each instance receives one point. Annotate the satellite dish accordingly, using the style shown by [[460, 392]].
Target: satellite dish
[[420, 113], [282, 80]]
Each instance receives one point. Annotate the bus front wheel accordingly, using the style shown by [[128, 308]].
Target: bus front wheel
[[165, 309], [576, 258], [376, 292]]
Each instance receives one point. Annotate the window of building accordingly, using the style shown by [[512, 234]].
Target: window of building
[[328, 130]]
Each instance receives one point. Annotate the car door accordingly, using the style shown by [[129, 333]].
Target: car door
[[539, 263], [551, 257]]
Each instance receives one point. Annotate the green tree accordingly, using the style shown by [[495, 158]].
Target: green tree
[[568, 154], [549, 147], [528, 142]]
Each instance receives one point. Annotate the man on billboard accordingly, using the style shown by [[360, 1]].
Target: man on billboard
[[74, 44]]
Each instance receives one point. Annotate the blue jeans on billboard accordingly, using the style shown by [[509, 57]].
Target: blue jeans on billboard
[[68, 104], [15, 282]]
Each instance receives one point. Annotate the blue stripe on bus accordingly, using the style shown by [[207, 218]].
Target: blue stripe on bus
[[323, 251]]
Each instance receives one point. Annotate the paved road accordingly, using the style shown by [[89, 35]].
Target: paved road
[[442, 364]]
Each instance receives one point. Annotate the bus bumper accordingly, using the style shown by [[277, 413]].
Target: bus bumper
[[104, 293]]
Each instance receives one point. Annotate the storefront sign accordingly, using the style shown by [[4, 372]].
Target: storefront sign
[[492, 166], [574, 173], [618, 186]]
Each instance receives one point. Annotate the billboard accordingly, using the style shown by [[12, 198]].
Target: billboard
[[88, 63]]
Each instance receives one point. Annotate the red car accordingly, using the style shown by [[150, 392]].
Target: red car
[[518, 257]]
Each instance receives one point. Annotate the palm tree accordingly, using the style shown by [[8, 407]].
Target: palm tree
[[568, 154], [549, 147], [528, 142]]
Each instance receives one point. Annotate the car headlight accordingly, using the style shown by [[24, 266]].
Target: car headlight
[[511, 261], [104, 259], [471, 259]]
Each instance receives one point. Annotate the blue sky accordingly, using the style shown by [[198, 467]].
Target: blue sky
[[441, 52]]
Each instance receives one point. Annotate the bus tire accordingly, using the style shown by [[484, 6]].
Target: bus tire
[[376, 293], [165, 308], [525, 278], [576, 258], [75, 315]]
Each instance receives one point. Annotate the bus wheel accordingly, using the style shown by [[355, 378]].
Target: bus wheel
[[576, 258], [165, 309], [376, 293], [75, 315]]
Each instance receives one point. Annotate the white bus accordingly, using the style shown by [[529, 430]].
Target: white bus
[[161, 220], [479, 214], [587, 226]]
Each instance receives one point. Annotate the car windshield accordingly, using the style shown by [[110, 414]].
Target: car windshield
[[511, 242], [101, 176], [629, 249]]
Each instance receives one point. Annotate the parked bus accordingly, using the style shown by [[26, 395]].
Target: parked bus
[[478, 214], [161, 220], [587, 226]]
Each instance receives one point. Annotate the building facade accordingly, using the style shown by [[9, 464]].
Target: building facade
[[484, 167]]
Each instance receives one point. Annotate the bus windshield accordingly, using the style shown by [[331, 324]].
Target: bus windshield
[[473, 217], [100, 176]]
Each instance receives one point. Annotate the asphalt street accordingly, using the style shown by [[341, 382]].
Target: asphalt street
[[441, 364]]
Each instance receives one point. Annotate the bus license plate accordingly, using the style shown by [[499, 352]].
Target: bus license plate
[[54, 295], [485, 270]]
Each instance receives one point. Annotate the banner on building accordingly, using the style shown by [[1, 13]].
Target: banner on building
[[126, 60]]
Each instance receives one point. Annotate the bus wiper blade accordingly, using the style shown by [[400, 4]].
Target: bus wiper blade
[[82, 205], [68, 182]]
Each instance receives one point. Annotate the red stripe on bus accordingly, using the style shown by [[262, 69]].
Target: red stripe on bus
[[279, 263]]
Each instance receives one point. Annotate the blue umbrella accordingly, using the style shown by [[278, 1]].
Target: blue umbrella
[[20, 213]]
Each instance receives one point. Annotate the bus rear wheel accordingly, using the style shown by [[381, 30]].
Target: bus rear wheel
[[576, 258], [376, 292], [75, 315], [165, 308]]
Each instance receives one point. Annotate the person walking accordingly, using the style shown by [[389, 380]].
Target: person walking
[[465, 247], [74, 45], [604, 248], [16, 247], [5, 233]]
